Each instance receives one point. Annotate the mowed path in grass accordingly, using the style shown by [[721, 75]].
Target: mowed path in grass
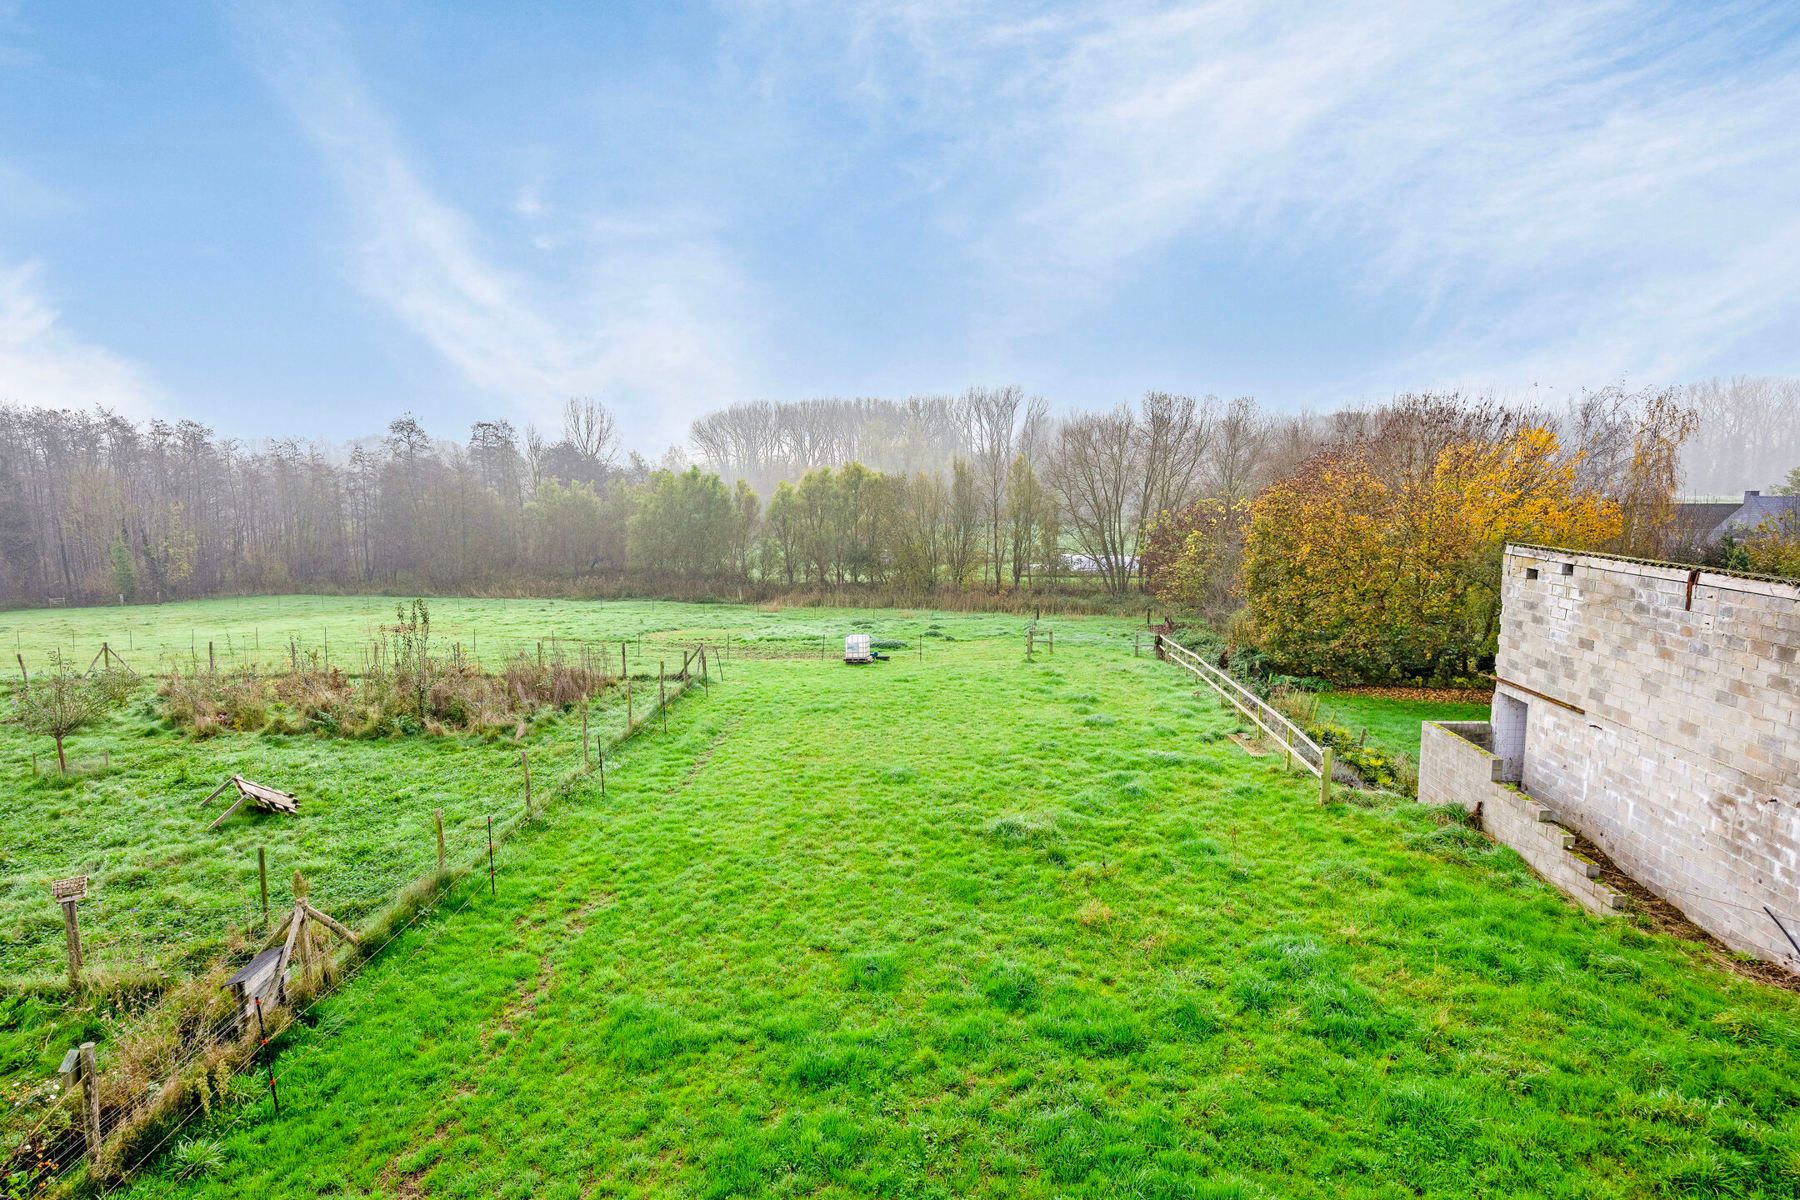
[[982, 927]]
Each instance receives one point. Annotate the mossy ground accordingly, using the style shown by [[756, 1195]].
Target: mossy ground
[[986, 927]]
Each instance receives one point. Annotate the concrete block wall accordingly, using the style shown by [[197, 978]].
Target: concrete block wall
[[1455, 767], [1663, 722]]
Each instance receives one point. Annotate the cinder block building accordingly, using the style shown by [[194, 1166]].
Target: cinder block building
[[1655, 710]]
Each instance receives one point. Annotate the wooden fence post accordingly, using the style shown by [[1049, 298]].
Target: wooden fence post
[[262, 880], [525, 763], [78, 1067], [437, 818], [1325, 775], [603, 773], [72, 934], [493, 888], [212, 663], [624, 670]]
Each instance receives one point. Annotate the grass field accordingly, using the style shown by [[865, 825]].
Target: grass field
[[976, 926], [258, 630], [168, 895], [1393, 725]]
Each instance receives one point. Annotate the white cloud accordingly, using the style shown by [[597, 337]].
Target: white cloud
[[43, 364], [1592, 188], [528, 202], [652, 325]]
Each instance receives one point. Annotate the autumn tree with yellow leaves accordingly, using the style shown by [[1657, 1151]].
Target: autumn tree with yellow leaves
[[1356, 570]]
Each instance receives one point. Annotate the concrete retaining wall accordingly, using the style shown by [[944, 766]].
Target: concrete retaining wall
[[1456, 767]]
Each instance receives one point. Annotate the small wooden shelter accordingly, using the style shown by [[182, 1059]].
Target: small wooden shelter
[[299, 940], [259, 980], [265, 798]]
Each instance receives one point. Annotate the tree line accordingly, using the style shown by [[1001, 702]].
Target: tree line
[[1378, 557], [985, 490]]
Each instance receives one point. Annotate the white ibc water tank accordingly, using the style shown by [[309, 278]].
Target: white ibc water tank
[[856, 648]]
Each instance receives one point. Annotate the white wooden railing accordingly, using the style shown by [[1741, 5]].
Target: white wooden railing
[[1253, 707]]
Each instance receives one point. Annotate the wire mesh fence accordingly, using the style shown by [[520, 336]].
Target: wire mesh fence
[[58, 1144]]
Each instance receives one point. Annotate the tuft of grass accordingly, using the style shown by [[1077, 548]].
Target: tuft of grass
[[873, 971], [1012, 986], [194, 1157], [1032, 828], [1095, 912]]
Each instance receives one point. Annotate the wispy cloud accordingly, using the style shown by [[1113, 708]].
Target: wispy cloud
[[13, 49], [1593, 189], [43, 363], [652, 323]]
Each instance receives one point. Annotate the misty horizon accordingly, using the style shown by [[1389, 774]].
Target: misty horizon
[[278, 219]]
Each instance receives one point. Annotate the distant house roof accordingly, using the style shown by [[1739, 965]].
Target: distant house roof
[[1756, 509], [1698, 520]]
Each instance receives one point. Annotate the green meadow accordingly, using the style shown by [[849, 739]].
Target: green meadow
[[969, 924], [1393, 725], [258, 631], [169, 895]]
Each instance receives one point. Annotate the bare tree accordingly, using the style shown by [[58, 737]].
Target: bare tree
[[962, 524], [1173, 436], [590, 430], [56, 705], [1240, 448], [1748, 434], [1094, 476], [999, 421], [537, 454]]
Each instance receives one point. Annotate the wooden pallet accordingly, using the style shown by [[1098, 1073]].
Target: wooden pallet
[[266, 798]]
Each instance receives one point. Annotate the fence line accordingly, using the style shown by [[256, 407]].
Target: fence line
[[1253, 707], [288, 651], [71, 1153]]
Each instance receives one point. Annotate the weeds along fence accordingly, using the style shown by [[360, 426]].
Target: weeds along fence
[[127, 936], [1253, 708], [170, 1066], [294, 648]]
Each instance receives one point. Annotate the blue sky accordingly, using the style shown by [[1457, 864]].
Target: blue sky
[[306, 218]]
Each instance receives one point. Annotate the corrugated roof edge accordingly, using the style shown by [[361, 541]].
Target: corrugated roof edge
[[1655, 562]]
